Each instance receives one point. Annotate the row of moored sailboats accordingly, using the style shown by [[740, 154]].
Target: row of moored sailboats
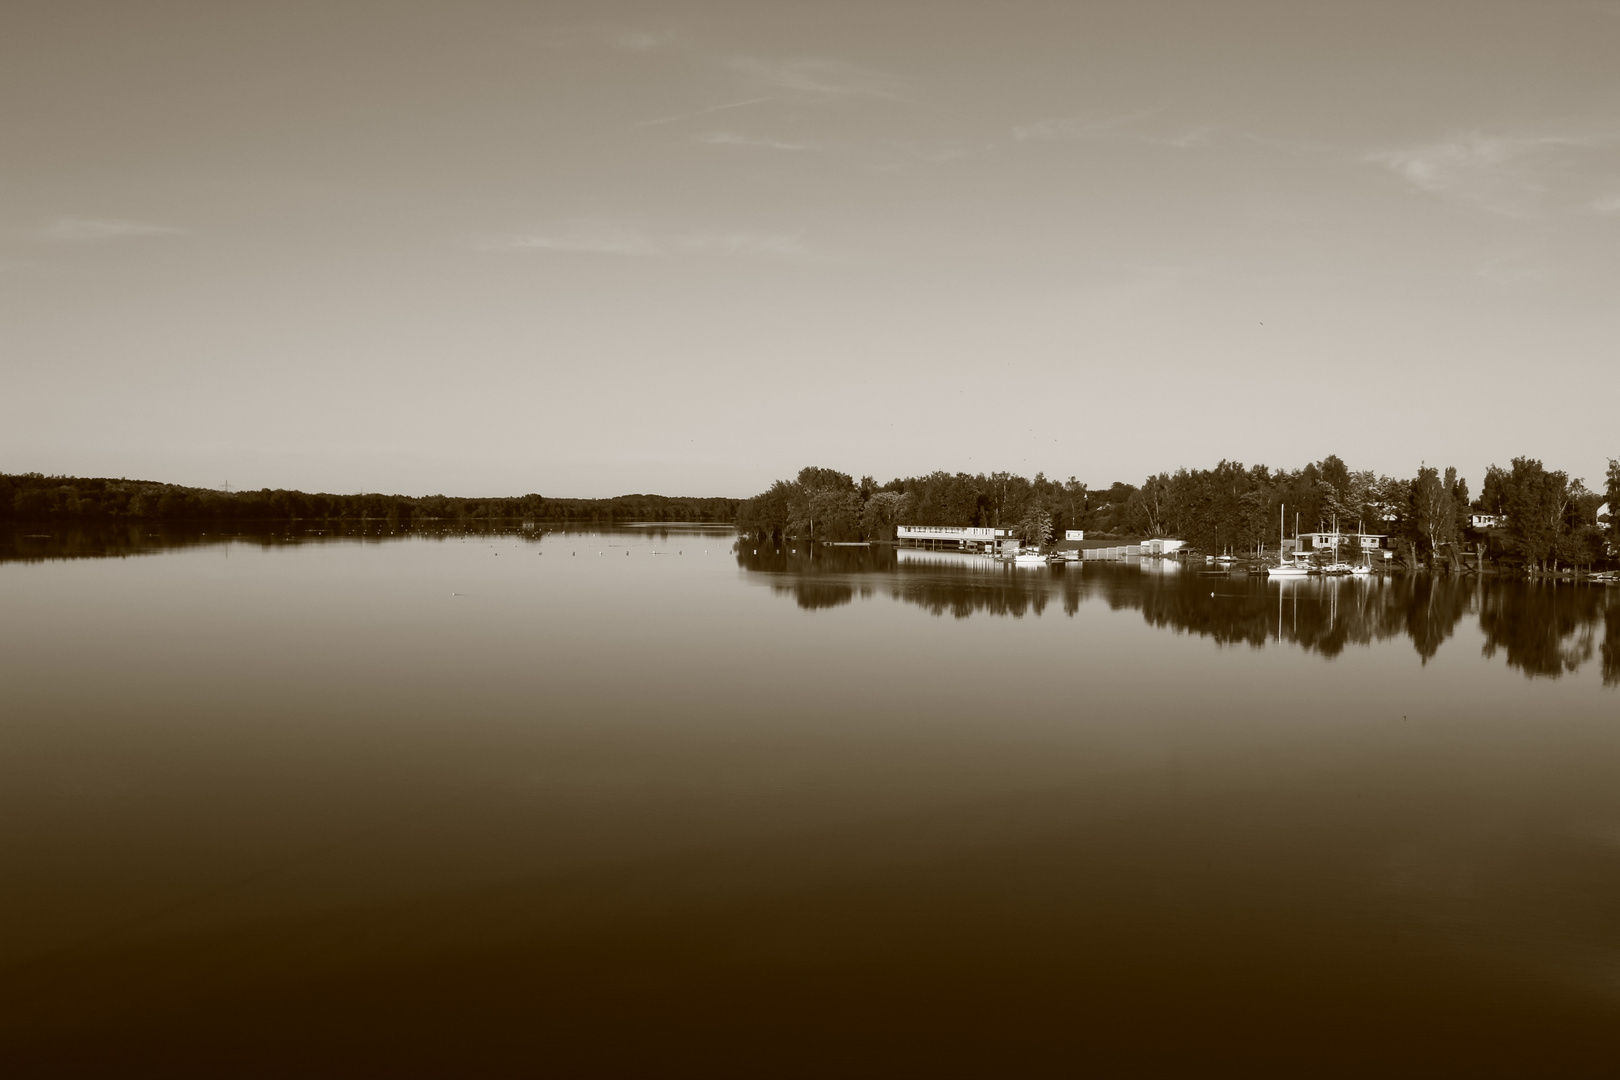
[[1291, 566]]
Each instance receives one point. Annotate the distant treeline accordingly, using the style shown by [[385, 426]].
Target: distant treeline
[[35, 497], [1546, 519]]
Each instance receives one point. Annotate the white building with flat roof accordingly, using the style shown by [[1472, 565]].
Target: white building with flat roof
[[950, 537]]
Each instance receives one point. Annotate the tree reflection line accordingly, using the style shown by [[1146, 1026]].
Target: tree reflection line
[[1544, 629]]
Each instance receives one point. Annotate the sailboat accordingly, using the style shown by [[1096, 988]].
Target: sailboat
[[1292, 567], [1338, 565]]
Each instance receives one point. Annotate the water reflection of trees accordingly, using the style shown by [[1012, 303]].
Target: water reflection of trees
[[1540, 629], [1548, 629], [1611, 644], [55, 540]]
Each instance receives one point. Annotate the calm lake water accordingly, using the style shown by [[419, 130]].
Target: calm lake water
[[635, 802]]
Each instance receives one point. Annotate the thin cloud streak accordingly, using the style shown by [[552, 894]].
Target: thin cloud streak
[[641, 40], [1510, 175], [1121, 128], [702, 112], [727, 138], [610, 35], [1069, 128], [820, 78], [607, 239], [90, 230]]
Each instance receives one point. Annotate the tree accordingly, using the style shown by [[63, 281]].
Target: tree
[[1612, 494], [1150, 505], [1534, 500], [1074, 503], [1493, 492], [766, 515], [823, 505], [1391, 504], [1035, 529], [1334, 473], [1434, 511], [882, 512]]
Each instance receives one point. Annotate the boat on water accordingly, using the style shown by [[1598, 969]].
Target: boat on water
[[1338, 568], [1029, 559], [1287, 567]]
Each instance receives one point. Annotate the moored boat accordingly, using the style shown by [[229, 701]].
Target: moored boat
[[1288, 562]]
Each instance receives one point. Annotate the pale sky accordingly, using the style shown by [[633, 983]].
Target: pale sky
[[590, 249]]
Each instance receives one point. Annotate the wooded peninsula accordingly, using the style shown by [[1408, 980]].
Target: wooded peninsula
[[1525, 514]]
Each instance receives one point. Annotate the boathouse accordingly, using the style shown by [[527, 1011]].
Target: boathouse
[[951, 537], [1332, 542]]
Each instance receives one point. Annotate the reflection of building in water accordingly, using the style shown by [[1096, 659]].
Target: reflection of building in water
[[951, 537], [1540, 629], [955, 559]]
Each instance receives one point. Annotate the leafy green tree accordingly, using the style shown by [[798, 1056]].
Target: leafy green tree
[[1535, 500], [1612, 495], [1434, 511], [1391, 505], [882, 512], [1035, 528], [765, 516], [1149, 507], [823, 505], [1493, 493]]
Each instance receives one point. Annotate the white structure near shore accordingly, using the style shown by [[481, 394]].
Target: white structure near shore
[[952, 537]]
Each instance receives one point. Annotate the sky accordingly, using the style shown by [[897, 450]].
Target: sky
[[590, 249]]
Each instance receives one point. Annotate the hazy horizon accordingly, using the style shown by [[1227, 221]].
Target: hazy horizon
[[589, 250]]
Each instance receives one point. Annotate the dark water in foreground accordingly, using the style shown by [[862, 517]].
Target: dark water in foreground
[[462, 805]]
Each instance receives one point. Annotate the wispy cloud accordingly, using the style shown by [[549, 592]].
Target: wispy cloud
[[1512, 175], [1124, 127], [93, 230], [702, 112], [820, 78], [937, 153], [1069, 128], [612, 35], [1607, 204], [642, 40], [727, 138], [1515, 269], [1184, 140], [625, 240]]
